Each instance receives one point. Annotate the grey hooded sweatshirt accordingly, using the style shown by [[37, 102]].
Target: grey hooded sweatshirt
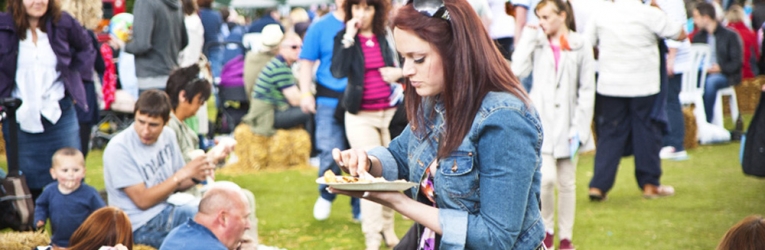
[[159, 34]]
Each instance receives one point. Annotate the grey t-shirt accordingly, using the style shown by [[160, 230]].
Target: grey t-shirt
[[127, 162]]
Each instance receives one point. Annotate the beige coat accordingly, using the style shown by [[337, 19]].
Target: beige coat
[[565, 99]]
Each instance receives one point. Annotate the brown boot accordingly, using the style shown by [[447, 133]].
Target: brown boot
[[651, 191], [597, 195]]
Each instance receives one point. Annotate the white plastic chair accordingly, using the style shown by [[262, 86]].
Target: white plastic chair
[[694, 78], [717, 119]]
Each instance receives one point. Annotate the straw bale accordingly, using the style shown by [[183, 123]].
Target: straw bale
[[24, 240], [142, 247], [691, 128], [287, 148], [748, 94]]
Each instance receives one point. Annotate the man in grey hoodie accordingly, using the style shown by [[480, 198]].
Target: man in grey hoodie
[[159, 34]]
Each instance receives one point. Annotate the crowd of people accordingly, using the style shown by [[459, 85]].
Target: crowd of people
[[485, 104]]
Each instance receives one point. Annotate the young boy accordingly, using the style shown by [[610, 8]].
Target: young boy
[[67, 201]]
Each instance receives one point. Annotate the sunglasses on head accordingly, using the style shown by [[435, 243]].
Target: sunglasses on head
[[431, 8]]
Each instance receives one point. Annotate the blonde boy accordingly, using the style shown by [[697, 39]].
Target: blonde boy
[[67, 201]]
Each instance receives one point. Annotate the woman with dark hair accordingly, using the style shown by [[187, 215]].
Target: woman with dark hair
[[473, 142], [108, 226], [45, 54], [363, 53]]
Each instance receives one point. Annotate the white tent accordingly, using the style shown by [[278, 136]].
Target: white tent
[[273, 3]]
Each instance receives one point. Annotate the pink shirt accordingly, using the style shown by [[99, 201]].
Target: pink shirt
[[376, 90], [556, 54]]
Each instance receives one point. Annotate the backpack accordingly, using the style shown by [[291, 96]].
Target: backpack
[[16, 205], [753, 145]]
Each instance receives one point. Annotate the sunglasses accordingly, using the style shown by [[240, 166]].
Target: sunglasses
[[431, 8]]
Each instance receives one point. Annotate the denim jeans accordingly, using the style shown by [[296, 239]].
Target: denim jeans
[[527, 82], [676, 135], [329, 135], [154, 231], [215, 56], [714, 83], [36, 149]]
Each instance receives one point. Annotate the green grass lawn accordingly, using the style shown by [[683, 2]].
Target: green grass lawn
[[712, 195]]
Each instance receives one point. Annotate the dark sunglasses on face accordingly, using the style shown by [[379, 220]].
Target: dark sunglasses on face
[[431, 8]]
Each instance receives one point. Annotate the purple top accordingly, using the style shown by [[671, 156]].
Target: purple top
[[72, 45]]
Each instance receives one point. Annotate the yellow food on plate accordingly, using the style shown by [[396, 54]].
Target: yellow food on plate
[[329, 177]]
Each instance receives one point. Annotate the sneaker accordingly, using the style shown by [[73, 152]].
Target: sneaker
[[668, 153], [549, 241], [321, 209], [566, 244]]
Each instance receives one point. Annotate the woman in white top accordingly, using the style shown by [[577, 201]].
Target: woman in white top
[[502, 27], [564, 95], [44, 54], [196, 32]]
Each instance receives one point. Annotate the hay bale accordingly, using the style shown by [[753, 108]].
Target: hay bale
[[251, 149], [748, 94], [24, 240], [142, 247], [691, 128], [287, 148]]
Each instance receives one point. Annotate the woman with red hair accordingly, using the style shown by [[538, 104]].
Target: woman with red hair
[[473, 143]]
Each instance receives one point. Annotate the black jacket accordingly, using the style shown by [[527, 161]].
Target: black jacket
[[729, 52], [349, 62]]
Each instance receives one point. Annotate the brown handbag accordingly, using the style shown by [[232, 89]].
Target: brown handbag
[[16, 204]]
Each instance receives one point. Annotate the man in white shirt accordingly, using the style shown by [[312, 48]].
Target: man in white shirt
[[626, 32], [678, 61]]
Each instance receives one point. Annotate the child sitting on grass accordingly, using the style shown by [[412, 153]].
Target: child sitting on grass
[[67, 201]]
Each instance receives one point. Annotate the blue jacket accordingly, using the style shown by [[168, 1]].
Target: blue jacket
[[487, 190], [71, 44]]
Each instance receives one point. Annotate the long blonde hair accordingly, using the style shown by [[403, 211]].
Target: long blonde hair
[[88, 12]]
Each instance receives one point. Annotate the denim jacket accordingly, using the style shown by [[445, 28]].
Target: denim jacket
[[487, 190]]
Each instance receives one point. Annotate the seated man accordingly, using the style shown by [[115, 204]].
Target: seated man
[[275, 100], [255, 60], [725, 54], [143, 165], [220, 223]]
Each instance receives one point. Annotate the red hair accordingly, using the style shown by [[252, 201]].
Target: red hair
[[473, 67]]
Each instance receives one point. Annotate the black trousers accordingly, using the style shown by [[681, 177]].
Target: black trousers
[[624, 125]]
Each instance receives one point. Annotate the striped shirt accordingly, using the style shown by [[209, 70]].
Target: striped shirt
[[376, 90], [275, 77]]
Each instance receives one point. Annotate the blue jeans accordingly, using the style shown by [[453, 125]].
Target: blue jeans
[[36, 149], [329, 135], [215, 56], [154, 231], [714, 83], [527, 82], [676, 135]]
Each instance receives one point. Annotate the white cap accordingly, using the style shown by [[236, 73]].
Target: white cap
[[271, 35]]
